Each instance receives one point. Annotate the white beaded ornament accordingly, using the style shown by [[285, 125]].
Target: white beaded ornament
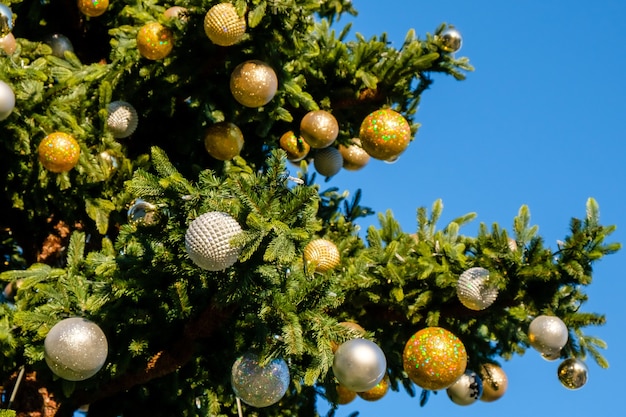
[[208, 241], [473, 291], [122, 120]]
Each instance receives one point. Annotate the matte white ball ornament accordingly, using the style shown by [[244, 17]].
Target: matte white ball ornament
[[208, 241]]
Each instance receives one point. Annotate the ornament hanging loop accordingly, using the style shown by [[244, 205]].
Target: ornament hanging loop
[[239, 412]]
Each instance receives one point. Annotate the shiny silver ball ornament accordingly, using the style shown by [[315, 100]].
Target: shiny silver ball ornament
[[7, 100], [328, 161], [359, 364], [59, 44], [143, 213], [572, 373], [467, 389], [473, 289], [6, 20], [257, 385], [450, 40], [122, 120], [548, 334], [75, 349], [208, 241]]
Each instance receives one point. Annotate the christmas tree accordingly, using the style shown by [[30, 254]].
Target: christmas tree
[[161, 259]]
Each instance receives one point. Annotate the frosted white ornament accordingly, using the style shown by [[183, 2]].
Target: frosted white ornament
[[328, 161], [473, 291], [208, 241], [122, 120], [7, 100]]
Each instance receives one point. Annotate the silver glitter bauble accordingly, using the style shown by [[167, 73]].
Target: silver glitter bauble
[[451, 40], [256, 385], [359, 364], [208, 241], [473, 291], [122, 120], [572, 373], [548, 334], [142, 213], [75, 349], [6, 20], [7, 100], [467, 389], [328, 161], [59, 44]]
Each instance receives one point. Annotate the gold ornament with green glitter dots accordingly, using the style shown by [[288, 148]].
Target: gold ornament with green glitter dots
[[93, 8], [59, 152], [434, 358], [154, 41], [385, 134]]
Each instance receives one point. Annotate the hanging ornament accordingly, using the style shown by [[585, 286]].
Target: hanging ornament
[[142, 213], [467, 389], [109, 161], [8, 44], [473, 289], [208, 241], [354, 156], [376, 393], [295, 147], [512, 244], [572, 373], [357, 330], [7, 100], [253, 83], [6, 20], [223, 25], [344, 395], [359, 364], [59, 152], [176, 12], [495, 382], [385, 134], [223, 141], [93, 8], [322, 255], [59, 44], [75, 349], [328, 161], [122, 120], [450, 40], [319, 128], [434, 358], [154, 41], [257, 385], [548, 334], [552, 356]]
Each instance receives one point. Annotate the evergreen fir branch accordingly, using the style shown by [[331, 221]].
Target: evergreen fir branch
[[76, 251]]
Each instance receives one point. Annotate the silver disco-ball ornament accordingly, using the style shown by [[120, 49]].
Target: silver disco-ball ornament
[[473, 289], [548, 335], [572, 373], [122, 120], [257, 385], [359, 364], [75, 349], [451, 40], [208, 241], [328, 161], [467, 389]]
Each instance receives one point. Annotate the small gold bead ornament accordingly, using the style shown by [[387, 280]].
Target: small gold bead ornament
[[223, 25]]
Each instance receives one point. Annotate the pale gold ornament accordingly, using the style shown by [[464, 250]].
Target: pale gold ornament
[[344, 395], [93, 8], [223, 25], [495, 382], [253, 83], [322, 255], [223, 141], [354, 156], [295, 147], [319, 128], [8, 44]]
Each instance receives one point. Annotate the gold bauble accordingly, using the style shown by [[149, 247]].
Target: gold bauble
[[8, 44], [495, 382], [253, 83], [223, 141], [223, 25], [322, 255], [354, 156], [344, 395], [93, 8], [349, 325], [377, 392], [319, 128], [176, 12], [385, 134], [59, 152], [154, 41], [295, 147]]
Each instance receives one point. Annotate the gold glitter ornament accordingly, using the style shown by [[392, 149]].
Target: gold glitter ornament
[[59, 152], [93, 8], [434, 358], [223, 25], [495, 382], [295, 147], [223, 141], [154, 41], [322, 255], [319, 128], [572, 373], [354, 156], [253, 83], [385, 134], [376, 393], [344, 395]]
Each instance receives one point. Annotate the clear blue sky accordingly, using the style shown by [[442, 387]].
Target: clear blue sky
[[540, 122]]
